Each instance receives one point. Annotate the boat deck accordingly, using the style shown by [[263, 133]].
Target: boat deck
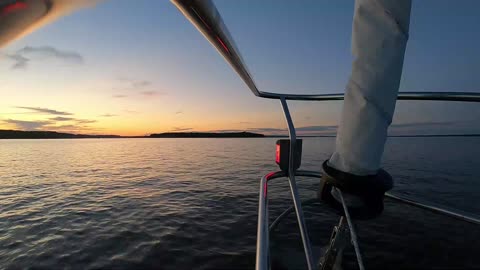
[[404, 237]]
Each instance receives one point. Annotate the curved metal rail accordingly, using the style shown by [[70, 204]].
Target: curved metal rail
[[263, 251], [206, 18], [431, 96], [263, 229]]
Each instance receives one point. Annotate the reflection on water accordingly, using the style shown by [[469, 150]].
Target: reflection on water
[[191, 203]]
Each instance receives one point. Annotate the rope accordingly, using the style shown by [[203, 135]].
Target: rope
[[353, 234]]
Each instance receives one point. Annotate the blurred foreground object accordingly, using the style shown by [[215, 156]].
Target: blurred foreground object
[[21, 17]]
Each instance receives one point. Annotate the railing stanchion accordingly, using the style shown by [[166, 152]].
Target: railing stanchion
[[293, 186]]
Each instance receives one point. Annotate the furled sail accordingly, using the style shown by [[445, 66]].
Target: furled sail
[[379, 38]]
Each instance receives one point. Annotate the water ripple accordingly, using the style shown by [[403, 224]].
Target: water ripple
[[191, 204]]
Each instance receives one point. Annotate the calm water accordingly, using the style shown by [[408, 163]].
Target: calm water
[[191, 204]]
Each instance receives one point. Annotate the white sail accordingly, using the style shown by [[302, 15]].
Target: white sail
[[379, 38]]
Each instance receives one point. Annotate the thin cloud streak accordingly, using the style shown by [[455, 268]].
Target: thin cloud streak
[[267, 130], [51, 52], [317, 128], [150, 93], [44, 110], [70, 128], [178, 129], [20, 62], [26, 55], [226, 130], [77, 125], [71, 119], [133, 84], [60, 118], [424, 124], [141, 84], [85, 121], [27, 125]]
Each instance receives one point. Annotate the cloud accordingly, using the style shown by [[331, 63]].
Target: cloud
[[85, 121], [150, 93], [133, 84], [57, 121], [244, 122], [71, 119], [317, 128], [306, 130], [264, 129], [51, 52], [27, 125], [415, 128], [227, 130], [177, 129], [69, 127], [179, 112], [60, 118], [434, 128], [423, 124], [108, 115], [74, 125], [140, 84], [44, 110], [24, 56], [20, 61], [72, 128]]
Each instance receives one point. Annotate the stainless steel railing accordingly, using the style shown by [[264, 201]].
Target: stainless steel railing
[[262, 261], [263, 229], [432, 96], [206, 18], [263, 249]]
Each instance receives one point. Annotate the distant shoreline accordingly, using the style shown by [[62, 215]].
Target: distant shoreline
[[19, 134], [243, 134]]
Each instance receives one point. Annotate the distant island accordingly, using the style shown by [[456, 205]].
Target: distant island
[[19, 134], [207, 135]]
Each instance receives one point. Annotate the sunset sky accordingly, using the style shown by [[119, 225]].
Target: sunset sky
[[139, 67]]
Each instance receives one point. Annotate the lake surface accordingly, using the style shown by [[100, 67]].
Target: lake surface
[[192, 204]]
